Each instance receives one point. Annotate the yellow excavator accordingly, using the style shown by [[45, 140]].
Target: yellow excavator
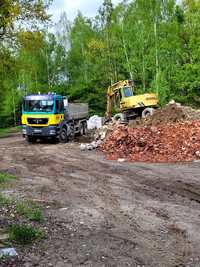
[[121, 96]]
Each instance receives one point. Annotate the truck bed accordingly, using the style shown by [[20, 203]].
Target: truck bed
[[78, 111]]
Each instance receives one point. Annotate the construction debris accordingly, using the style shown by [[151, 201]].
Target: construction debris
[[101, 133], [172, 134], [8, 252], [94, 122], [98, 137], [170, 113], [90, 146], [172, 142], [121, 160]]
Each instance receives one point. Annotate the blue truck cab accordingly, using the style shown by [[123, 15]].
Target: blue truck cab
[[51, 116]]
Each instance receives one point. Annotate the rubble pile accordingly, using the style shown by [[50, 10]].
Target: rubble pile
[[191, 114], [171, 142], [171, 113], [98, 136]]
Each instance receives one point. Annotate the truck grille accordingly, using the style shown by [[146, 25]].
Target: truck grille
[[37, 121]]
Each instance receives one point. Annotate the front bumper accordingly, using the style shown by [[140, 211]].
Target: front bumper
[[47, 131]]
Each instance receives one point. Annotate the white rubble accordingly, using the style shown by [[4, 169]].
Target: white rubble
[[90, 146], [121, 160], [94, 122], [7, 252]]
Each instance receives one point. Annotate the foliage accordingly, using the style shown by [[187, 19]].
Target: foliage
[[155, 43], [4, 201], [24, 234], [6, 177], [4, 132], [13, 13], [30, 210]]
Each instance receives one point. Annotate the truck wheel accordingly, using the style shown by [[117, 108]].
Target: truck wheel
[[63, 137], [31, 139], [72, 132], [81, 132], [119, 117], [147, 112], [85, 128]]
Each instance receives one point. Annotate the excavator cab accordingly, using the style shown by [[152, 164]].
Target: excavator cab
[[117, 93], [127, 91], [120, 94]]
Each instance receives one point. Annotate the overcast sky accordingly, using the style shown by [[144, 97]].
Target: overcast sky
[[87, 7]]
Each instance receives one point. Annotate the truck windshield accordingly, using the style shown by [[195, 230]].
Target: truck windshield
[[128, 91], [38, 105]]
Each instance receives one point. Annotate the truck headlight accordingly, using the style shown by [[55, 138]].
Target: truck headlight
[[52, 132], [24, 130]]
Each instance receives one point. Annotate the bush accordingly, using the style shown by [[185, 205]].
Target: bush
[[24, 234]]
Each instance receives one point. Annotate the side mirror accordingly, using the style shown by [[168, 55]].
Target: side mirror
[[65, 103]]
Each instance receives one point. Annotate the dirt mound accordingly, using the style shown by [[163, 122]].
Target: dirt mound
[[169, 114], [173, 142], [191, 114]]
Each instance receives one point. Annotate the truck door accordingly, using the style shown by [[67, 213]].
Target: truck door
[[59, 109]]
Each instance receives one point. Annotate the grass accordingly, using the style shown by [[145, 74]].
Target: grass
[[30, 210], [21, 233], [27, 209], [6, 177], [4, 132], [24, 234], [4, 201]]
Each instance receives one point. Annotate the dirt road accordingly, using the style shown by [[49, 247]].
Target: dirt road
[[105, 213]]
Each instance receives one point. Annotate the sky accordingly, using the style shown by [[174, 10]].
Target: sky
[[88, 8]]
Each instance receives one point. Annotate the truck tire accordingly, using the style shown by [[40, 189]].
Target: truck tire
[[119, 117], [31, 139], [147, 112], [71, 131], [63, 137], [81, 132], [85, 128]]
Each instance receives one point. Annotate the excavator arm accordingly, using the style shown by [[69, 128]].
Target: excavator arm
[[110, 96]]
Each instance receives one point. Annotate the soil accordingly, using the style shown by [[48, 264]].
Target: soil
[[105, 213], [170, 113]]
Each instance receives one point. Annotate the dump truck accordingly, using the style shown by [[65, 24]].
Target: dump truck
[[50, 116], [122, 97]]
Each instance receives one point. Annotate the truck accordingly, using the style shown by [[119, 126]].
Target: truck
[[50, 116], [122, 97]]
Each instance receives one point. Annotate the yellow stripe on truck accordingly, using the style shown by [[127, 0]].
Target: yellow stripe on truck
[[53, 119]]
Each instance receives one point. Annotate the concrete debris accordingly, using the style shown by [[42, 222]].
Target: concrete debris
[[8, 252], [121, 160], [94, 122], [90, 146], [83, 147], [100, 134], [172, 102], [197, 153]]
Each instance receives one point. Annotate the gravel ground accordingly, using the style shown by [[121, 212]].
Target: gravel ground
[[105, 213]]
